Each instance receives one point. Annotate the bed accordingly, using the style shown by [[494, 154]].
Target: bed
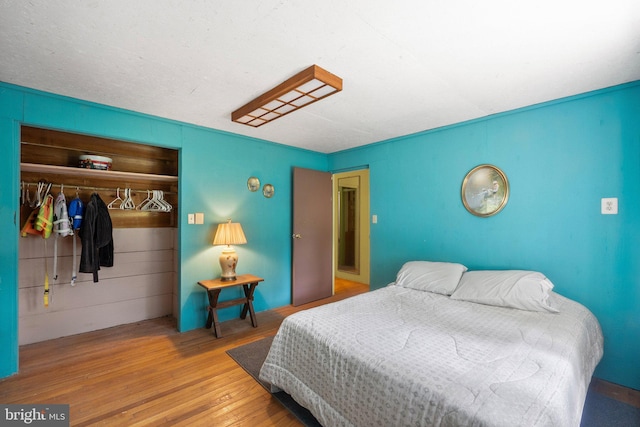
[[435, 347]]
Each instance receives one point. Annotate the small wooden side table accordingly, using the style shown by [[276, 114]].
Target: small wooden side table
[[249, 282]]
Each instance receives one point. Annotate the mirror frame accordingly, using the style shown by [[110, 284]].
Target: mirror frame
[[489, 181]]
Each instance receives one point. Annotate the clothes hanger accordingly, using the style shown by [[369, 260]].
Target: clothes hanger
[[22, 192], [47, 189], [153, 204], [26, 200], [167, 206], [112, 205], [164, 205], [128, 201], [37, 201], [145, 202]]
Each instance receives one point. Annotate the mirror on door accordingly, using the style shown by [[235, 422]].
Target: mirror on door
[[348, 224]]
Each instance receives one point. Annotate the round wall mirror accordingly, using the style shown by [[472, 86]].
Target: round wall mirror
[[485, 190]]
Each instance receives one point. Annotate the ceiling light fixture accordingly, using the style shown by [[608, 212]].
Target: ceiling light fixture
[[306, 87]]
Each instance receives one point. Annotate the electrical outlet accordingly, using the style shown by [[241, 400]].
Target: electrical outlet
[[609, 206]]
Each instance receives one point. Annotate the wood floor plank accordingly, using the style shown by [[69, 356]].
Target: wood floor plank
[[147, 373]]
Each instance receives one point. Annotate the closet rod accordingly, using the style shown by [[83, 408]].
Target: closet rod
[[82, 187]]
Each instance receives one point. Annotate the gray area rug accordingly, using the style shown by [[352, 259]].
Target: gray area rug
[[251, 357], [599, 410]]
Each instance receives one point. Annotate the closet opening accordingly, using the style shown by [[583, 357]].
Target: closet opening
[[140, 192]]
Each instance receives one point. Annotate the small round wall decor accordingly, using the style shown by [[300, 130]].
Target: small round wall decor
[[485, 190], [268, 191], [253, 183]]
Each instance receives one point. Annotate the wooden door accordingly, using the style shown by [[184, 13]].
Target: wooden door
[[312, 271]]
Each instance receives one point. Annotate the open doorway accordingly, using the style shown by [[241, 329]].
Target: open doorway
[[351, 226]]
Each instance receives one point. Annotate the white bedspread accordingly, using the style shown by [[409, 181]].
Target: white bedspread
[[401, 357]]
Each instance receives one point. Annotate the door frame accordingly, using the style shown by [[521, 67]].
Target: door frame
[[365, 227]]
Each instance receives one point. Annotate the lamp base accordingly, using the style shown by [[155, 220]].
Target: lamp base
[[228, 261]]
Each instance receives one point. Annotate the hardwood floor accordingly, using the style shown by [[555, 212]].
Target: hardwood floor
[[147, 373]]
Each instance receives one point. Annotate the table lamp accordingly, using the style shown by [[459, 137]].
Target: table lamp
[[229, 233]]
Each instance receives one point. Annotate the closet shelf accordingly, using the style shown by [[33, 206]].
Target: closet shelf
[[94, 173]]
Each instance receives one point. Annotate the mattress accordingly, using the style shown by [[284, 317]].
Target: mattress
[[398, 356]]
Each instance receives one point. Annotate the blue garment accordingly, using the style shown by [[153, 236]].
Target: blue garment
[[75, 211]]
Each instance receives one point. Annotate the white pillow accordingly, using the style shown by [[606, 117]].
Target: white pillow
[[438, 277], [525, 290]]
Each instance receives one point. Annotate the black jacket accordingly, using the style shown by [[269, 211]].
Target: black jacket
[[96, 235]]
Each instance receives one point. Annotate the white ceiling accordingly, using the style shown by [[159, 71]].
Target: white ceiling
[[407, 65]]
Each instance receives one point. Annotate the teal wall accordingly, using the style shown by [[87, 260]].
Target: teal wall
[[10, 112], [560, 158], [214, 168]]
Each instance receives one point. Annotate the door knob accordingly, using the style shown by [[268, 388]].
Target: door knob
[[297, 236]]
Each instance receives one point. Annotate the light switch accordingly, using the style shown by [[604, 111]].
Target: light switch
[[199, 218], [191, 218], [374, 219], [609, 206]]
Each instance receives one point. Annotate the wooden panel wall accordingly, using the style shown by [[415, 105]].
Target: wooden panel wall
[[141, 285], [51, 147], [55, 148]]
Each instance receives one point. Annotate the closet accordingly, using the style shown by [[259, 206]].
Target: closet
[[142, 284]]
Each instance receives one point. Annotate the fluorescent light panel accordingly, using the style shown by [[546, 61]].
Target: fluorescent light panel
[[304, 88]]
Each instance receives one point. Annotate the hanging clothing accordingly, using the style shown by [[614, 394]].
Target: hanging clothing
[[29, 227], [61, 222], [96, 235], [76, 210], [61, 227]]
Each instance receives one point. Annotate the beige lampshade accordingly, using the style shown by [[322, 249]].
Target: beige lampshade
[[229, 233]]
